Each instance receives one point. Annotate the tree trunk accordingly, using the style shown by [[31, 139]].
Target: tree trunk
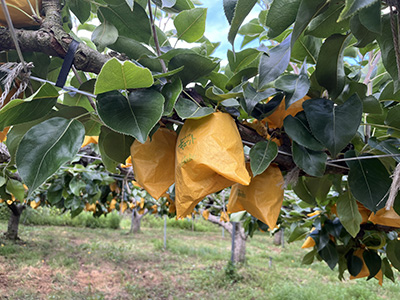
[[278, 238], [239, 250], [135, 224], [136, 220], [13, 222], [238, 238]]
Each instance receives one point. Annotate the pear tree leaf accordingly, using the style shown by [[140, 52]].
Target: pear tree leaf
[[333, 125], [261, 156], [187, 109], [116, 75], [190, 24], [311, 162], [135, 115], [105, 34], [348, 213], [47, 146]]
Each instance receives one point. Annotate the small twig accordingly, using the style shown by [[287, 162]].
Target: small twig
[[157, 44]]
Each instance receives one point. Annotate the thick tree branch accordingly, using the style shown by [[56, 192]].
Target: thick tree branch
[[51, 39]]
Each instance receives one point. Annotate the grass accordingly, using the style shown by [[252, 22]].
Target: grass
[[53, 262]]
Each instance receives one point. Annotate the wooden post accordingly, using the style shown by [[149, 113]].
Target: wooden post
[[165, 232]]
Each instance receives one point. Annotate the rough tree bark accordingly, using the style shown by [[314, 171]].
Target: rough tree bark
[[13, 222], [239, 253]]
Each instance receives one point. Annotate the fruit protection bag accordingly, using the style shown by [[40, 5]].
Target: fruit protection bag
[[153, 162], [209, 158], [19, 19], [262, 198]]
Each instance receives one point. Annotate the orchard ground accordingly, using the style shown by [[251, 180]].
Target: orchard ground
[[60, 262]]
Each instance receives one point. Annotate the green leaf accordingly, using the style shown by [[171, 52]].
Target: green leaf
[[393, 253], [77, 99], [363, 35], [242, 9], [262, 110], [45, 147], [387, 269], [308, 259], [105, 34], [15, 136], [330, 65], [108, 162], [277, 21], [216, 94], [137, 51], [334, 125], [388, 93], [135, 116], [354, 6], [306, 47], [303, 192], [299, 132], [392, 118], [318, 187], [81, 9], [325, 24], [77, 186], [370, 17], [385, 42], [294, 86], [373, 262], [116, 75], [297, 234], [29, 109], [252, 97], [177, 7], [2, 181], [187, 109], [274, 64], [54, 192], [115, 145], [243, 59], [191, 24], [311, 162], [195, 66], [308, 9], [369, 181], [16, 188], [261, 156], [121, 16], [229, 9], [386, 146], [354, 263], [171, 92], [329, 254], [348, 213]]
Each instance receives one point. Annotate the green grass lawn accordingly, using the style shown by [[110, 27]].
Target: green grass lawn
[[53, 262]]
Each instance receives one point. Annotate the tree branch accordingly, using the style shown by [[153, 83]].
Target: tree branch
[[51, 39]]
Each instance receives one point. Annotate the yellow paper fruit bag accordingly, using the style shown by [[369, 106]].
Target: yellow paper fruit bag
[[275, 120], [90, 140], [209, 158], [154, 162], [364, 270], [262, 198], [19, 19], [385, 217]]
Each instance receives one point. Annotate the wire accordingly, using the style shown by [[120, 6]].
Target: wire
[[13, 33]]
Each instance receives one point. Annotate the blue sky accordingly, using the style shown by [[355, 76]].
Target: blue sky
[[217, 26]]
